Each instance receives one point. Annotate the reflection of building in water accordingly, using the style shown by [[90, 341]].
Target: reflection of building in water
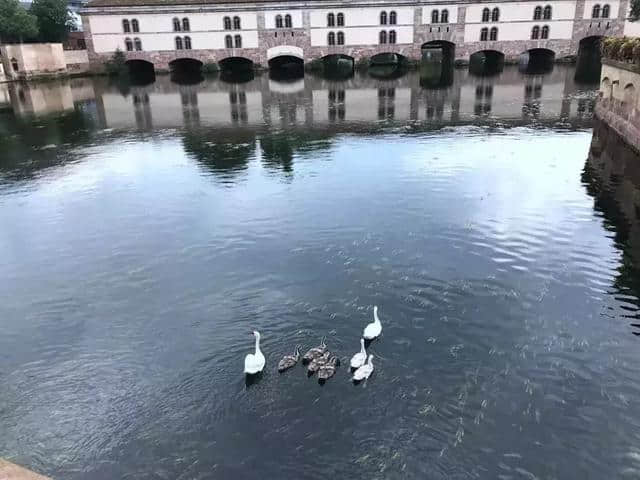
[[313, 101], [612, 177]]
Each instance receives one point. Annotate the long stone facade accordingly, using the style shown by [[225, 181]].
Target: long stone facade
[[263, 31]]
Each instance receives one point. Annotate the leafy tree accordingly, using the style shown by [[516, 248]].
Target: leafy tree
[[16, 24], [54, 21], [117, 65], [635, 10]]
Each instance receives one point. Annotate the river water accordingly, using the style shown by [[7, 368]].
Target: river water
[[144, 231]]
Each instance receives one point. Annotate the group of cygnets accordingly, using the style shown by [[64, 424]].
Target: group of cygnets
[[319, 359]]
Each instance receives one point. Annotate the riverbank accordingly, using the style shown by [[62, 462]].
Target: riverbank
[[11, 471], [619, 102]]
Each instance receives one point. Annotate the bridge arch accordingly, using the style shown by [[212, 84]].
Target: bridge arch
[[186, 70], [537, 60], [338, 65], [141, 72], [486, 62], [286, 67], [236, 69], [589, 63], [285, 50]]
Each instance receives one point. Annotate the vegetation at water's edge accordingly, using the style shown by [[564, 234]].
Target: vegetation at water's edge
[[45, 21], [625, 49]]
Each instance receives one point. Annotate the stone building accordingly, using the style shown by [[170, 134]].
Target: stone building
[[162, 31]]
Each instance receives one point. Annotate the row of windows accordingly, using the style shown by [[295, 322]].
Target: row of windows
[[332, 20], [600, 12], [331, 38], [494, 15], [439, 16], [287, 21], [537, 32], [131, 45], [539, 13], [486, 34], [178, 26], [235, 42], [387, 37], [392, 17], [183, 44], [128, 26]]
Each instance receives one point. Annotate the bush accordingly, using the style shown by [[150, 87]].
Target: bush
[[362, 63], [624, 49], [210, 68], [118, 64]]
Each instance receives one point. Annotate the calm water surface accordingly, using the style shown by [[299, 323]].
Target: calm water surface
[[145, 231]]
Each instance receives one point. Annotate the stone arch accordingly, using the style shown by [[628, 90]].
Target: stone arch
[[186, 70], [387, 58], [285, 50], [142, 72], [629, 95], [605, 88], [286, 67], [538, 59], [486, 62]]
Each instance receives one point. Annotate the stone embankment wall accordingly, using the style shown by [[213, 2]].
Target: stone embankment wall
[[32, 60], [619, 102]]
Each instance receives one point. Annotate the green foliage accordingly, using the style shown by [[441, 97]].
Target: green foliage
[[635, 10], [16, 24], [625, 49], [54, 21], [117, 64], [210, 68]]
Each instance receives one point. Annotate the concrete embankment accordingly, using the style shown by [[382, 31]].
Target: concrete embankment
[[11, 471]]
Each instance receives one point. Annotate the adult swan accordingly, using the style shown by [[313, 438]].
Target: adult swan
[[374, 329], [254, 362]]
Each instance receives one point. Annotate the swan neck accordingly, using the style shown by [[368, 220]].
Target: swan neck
[[375, 316], [257, 343], [362, 349]]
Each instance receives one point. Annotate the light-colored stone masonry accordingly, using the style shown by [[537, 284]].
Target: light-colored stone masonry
[[515, 23]]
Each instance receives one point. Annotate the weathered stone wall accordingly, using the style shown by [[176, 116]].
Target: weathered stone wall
[[619, 102], [33, 59]]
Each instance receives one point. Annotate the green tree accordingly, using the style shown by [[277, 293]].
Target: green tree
[[16, 24], [54, 21], [635, 10]]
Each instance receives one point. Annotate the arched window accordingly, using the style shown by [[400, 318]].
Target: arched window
[[495, 14], [605, 11], [278, 21], [128, 44], [14, 64], [331, 20], [176, 24], [484, 34], [331, 38], [238, 41], [287, 21], [434, 16], [392, 36], [227, 23], [595, 11], [545, 32], [137, 43], [340, 38], [126, 28], [178, 43], [340, 19], [393, 18], [535, 33], [228, 41], [537, 13], [383, 37], [493, 35], [236, 23], [383, 18], [486, 13], [444, 16], [134, 26], [547, 12], [185, 25], [187, 43]]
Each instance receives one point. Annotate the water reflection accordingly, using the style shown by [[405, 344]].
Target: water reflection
[[612, 177], [312, 102]]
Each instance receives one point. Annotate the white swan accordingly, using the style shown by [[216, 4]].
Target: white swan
[[374, 329], [254, 362], [364, 371], [359, 358]]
